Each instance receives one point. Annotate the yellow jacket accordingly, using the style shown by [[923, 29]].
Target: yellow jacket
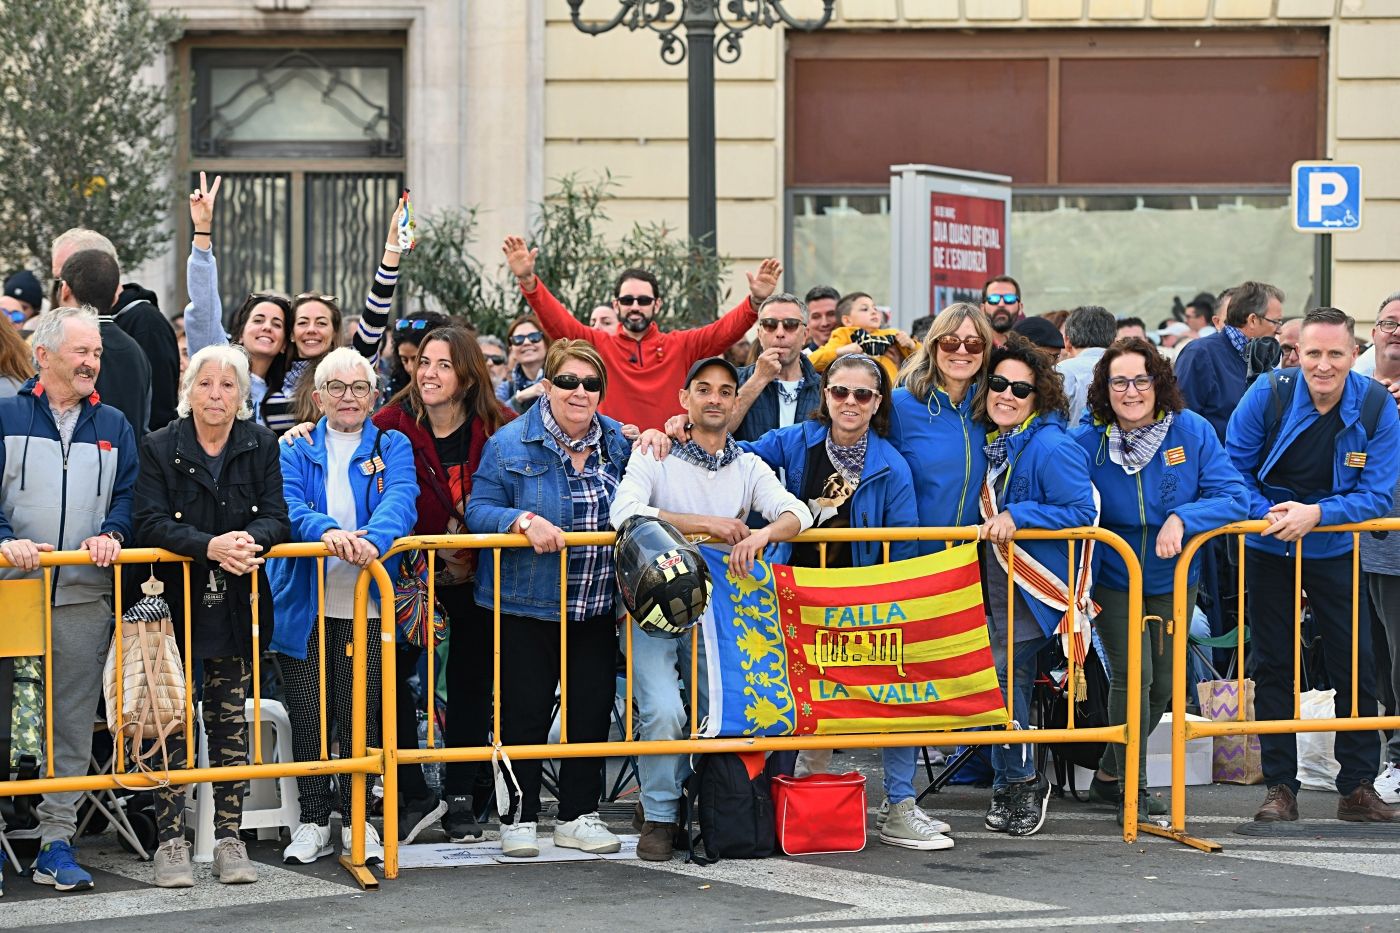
[[824, 356]]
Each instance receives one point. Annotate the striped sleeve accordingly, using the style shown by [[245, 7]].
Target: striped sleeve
[[370, 330]]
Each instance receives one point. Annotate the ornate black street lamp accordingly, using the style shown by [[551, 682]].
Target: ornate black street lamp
[[700, 20]]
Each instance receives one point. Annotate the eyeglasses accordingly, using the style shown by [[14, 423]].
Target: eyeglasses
[[1387, 327], [1120, 384], [862, 394], [1001, 384], [949, 343], [359, 388], [641, 301], [569, 382], [496, 360], [518, 340], [1276, 321], [1288, 349], [315, 296], [789, 324], [1002, 299]]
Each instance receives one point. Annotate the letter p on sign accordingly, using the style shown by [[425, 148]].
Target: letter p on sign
[[1326, 197]]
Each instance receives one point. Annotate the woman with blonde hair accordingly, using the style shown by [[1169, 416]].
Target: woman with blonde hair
[[933, 425], [16, 362]]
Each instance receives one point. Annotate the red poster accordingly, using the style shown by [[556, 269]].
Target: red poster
[[967, 246]]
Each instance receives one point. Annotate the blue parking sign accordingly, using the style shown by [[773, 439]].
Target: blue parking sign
[[1326, 197]]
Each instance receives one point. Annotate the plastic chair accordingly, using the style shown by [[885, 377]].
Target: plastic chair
[[271, 803]]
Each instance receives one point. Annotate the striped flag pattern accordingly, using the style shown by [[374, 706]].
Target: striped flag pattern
[[901, 647]]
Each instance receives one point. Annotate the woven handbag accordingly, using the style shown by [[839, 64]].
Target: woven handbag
[[411, 602], [152, 682]]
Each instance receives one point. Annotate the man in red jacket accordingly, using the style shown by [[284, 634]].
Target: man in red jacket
[[646, 367]]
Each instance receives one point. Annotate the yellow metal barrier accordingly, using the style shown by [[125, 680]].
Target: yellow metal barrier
[[1184, 731], [1127, 734], [28, 633]]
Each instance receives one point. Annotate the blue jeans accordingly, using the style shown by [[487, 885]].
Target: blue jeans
[[899, 765], [662, 714], [1013, 764]]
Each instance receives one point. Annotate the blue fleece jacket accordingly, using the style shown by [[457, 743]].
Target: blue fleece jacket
[[942, 443], [1190, 477], [1047, 486], [883, 499], [1363, 470], [1211, 374], [383, 515], [63, 498]]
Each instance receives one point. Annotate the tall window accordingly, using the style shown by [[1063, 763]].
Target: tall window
[[310, 141]]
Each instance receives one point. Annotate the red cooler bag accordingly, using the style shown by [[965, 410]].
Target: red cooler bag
[[820, 813]]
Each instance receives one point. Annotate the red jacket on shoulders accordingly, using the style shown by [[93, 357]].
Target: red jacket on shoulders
[[644, 376]]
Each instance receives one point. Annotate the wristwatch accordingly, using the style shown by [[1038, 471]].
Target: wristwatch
[[116, 536], [525, 519]]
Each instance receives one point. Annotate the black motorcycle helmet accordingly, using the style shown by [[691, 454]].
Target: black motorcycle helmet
[[662, 577]]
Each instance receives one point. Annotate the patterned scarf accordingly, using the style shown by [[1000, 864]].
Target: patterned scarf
[[1133, 450], [849, 461], [565, 442], [995, 448], [519, 382], [1237, 340], [696, 455]]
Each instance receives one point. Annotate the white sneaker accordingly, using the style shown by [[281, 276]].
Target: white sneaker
[[518, 841], [883, 814], [587, 833], [309, 843], [909, 828], [374, 848], [1388, 783]]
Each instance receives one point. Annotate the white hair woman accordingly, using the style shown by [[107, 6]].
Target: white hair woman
[[210, 489], [353, 487]]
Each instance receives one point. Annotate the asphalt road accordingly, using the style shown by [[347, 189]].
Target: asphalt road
[[1075, 874]]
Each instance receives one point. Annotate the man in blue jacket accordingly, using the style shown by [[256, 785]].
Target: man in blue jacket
[[1212, 370], [1327, 458], [69, 467], [781, 387]]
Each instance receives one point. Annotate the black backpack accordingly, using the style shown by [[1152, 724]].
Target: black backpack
[[734, 811], [1091, 711]]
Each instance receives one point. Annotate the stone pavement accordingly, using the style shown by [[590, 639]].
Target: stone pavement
[[1075, 874]]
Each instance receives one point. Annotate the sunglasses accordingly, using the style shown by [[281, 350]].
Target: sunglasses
[[1120, 384], [496, 360], [949, 343], [359, 388], [1001, 384], [315, 296], [518, 340], [641, 301], [1002, 299], [789, 324], [569, 382], [16, 317], [862, 394], [411, 325]]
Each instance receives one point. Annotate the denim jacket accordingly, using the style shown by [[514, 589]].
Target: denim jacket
[[762, 416], [519, 473]]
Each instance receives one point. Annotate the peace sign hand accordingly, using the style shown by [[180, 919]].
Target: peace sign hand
[[202, 202]]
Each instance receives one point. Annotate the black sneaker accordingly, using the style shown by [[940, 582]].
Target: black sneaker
[[1109, 792], [417, 815], [999, 813], [460, 822], [1028, 804]]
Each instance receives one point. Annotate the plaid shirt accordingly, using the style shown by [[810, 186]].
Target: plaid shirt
[[1237, 340], [590, 573]]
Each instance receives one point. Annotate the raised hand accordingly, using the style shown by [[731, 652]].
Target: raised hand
[[521, 259], [764, 282], [202, 202], [392, 237]]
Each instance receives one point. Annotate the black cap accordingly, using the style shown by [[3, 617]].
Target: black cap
[[1040, 332], [710, 361], [25, 286]]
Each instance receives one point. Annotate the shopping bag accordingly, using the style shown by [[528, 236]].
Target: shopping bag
[[1317, 765], [820, 813], [1235, 758]]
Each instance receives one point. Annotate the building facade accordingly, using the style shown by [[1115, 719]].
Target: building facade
[[1149, 140]]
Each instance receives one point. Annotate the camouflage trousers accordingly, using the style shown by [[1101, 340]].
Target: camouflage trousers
[[226, 684]]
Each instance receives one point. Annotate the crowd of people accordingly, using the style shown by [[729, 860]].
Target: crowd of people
[[275, 426]]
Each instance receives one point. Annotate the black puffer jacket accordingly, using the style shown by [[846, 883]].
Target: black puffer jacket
[[180, 508]]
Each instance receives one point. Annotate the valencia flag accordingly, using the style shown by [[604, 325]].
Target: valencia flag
[[900, 647]]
